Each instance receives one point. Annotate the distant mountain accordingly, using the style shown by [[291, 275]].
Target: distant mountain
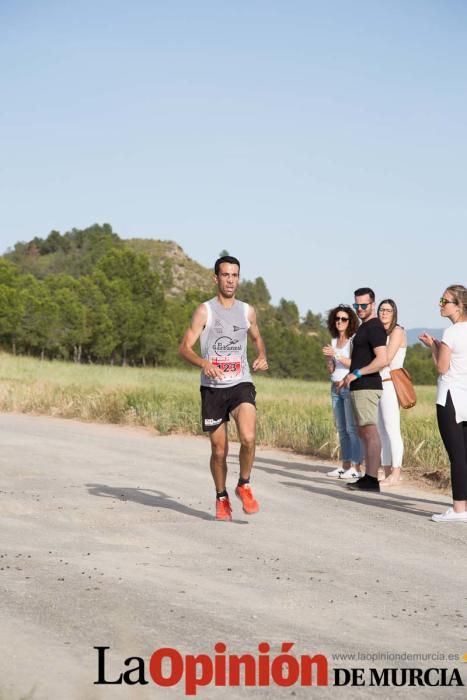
[[413, 333]]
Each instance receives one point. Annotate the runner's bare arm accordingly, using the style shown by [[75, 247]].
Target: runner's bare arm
[[261, 361], [192, 334]]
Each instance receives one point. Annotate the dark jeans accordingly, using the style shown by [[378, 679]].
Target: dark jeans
[[454, 436]]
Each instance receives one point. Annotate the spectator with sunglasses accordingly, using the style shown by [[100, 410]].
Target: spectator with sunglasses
[[450, 358], [389, 414], [342, 325], [369, 356]]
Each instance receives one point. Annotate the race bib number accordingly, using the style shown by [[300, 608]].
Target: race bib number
[[230, 366]]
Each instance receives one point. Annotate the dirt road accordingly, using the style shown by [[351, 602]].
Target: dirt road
[[107, 539]]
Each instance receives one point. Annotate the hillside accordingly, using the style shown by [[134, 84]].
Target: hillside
[[177, 271], [77, 252]]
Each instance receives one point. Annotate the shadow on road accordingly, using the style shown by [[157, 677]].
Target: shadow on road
[[299, 466], [145, 497], [392, 501], [378, 500]]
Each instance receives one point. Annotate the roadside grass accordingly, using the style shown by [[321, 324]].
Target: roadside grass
[[291, 414]]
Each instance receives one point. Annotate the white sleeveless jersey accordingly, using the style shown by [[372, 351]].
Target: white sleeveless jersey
[[223, 342]]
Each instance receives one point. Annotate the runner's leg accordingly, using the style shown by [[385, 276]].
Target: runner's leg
[[219, 452], [245, 418]]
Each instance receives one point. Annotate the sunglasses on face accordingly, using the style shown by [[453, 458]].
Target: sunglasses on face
[[362, 306], [344, 319], [443, 301]]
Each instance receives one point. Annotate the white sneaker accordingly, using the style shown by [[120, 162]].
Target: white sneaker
[[350, 473], [336, 472], [450, 516]]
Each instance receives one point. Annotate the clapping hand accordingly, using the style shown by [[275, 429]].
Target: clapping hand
[[427, 340]]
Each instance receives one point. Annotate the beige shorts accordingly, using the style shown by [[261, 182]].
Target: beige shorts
[[365, 405]]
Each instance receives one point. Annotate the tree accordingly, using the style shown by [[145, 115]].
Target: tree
[[287, 313], [420, 365], [11, 315], [101, 338], [52, 243], [313, 323], [40, 322], [131, 267], [255, 293], [72, 330], [9, 273]]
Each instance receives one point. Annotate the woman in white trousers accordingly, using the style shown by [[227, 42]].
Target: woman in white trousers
[[389, 421]]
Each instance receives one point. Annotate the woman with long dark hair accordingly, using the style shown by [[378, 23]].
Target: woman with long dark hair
[[342, 325], [450, 357], [389, 418]]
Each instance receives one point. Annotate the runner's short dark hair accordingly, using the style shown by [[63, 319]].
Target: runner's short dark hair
[[225, 259], [361, 291]]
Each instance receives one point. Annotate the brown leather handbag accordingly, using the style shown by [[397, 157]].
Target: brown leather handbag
[[404, 388]]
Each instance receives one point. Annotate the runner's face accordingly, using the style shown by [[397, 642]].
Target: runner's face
[[227, 280]]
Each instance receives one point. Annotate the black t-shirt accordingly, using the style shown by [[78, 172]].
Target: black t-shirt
[[371, 334]]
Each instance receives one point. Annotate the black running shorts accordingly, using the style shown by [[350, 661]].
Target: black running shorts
[[217, 404]]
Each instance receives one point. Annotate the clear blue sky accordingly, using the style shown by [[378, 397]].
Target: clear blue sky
[[323, 143]]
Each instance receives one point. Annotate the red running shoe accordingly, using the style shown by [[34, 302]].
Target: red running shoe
[[250, 504], [223, 508]]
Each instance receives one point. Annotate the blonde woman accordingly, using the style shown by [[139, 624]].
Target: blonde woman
[[450, 358], [389, 419]]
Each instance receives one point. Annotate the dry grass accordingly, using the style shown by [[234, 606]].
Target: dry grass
[[292, 414]]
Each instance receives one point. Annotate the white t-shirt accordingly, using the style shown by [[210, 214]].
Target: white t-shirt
[[455, 379], [340, 370]]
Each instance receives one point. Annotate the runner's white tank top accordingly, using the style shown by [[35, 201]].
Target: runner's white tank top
[[224, 341]]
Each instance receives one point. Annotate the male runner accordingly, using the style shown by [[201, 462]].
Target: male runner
[[222, 324], [368, 357]]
